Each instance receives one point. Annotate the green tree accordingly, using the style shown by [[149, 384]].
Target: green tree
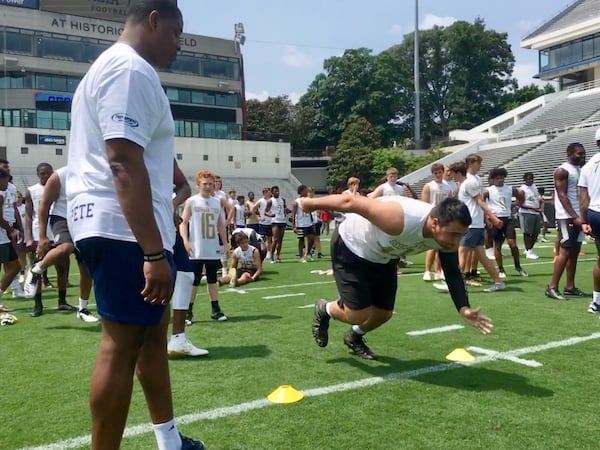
[[270, 120], [353, 157], [520, 96]]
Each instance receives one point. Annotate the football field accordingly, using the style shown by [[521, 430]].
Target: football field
[[531, 384]]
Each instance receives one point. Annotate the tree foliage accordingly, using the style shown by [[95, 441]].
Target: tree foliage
[[520, 96], [353, 157]]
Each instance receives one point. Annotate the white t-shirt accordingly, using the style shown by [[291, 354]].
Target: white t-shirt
[[204, 231], [303, 218], [262, 207], [572, 192], [438, 192], [240, 215], [369, 242], [391, 189], [532, 199], [278, 208], [452, 186], [8, 210], [500, 200], [245, 258], [119, 97], [469, 189], [59, 207], [590, 179], [35, 193]]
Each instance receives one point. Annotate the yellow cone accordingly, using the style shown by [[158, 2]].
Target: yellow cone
[[285, 394], [460, 355]]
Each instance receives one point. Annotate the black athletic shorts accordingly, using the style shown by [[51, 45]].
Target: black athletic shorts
[[361, 283], [506, 232]]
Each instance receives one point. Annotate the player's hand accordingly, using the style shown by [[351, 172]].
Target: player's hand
[[477, 320], [42, 248], [586, 228], [159, 282], [29, 246]]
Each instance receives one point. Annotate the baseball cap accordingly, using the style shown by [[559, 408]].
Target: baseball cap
[[597, 135]]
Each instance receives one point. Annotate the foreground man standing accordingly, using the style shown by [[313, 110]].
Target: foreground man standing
[[119, 188]]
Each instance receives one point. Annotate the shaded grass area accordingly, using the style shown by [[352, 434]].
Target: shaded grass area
[[46, 365]]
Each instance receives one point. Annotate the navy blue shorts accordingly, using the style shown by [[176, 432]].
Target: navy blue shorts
[[474, 238], [593, 218], [117, 270], [265, 230], [182, 261]]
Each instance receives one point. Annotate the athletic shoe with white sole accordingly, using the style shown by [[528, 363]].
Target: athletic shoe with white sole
[[522, 272], [441, 286], [594, 308], [496, 287], [530, 254], [183, 347], [219, 316], [85, 315], [191, 444], [554, 293], [428, 276]]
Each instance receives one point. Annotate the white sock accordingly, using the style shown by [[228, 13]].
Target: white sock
[[328, 308], [83, 304], [178, 337], [357, 330], [167, 436], [596, 297]]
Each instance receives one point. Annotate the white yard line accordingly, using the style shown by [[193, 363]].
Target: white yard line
[[271, 297], [435, 330], [525, 362], [216, 413]]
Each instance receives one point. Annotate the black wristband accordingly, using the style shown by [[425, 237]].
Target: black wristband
[[155, 257]]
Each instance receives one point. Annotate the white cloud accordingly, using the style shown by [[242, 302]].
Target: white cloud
[[397, 29], [294, 97], [430, 20], [261, 96], [295, 58], [524, 74], [264, 94]]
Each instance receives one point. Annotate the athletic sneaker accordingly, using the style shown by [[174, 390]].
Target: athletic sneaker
[[473, 282], [48, 284], [489, 252], [554, 293], [522, 272], [439, 276], [575, 292], [85, 315], [441, 286], [502, 275], [496, 287], [65, 307], [4, 308], [37, 269], [544, 240], [18, 293], [30, 285], [320, 323], [38, 310], [428, 276], [594, 308], [219, 316], [530, 254], [183, 347], [357, 344], [190, 444]]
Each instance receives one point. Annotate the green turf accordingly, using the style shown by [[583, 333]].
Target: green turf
[[46, 364]]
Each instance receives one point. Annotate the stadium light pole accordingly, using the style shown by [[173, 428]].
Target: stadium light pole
[[417, 81]]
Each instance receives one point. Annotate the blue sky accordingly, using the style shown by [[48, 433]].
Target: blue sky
[[287, 42]]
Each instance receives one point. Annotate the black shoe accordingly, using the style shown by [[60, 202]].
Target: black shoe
[[320, 324], [575, 292], [219, 316], [37, 311], [553, 293], [190, 444], [66, 307], [356, 343], [48, 284]]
